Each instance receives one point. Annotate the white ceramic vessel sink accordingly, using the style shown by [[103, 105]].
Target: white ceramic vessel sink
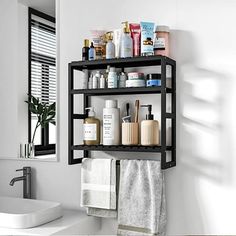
[[22, 213]]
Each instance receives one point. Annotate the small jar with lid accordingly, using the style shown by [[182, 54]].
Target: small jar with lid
[[161, 42], [153, 80]]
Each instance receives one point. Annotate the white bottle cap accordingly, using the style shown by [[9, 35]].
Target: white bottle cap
[[112, 69], [111, 103]]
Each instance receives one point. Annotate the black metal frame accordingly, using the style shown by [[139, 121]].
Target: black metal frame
[[45, 148], [86, 93]]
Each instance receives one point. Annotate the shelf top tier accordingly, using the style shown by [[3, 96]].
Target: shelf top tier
[[122, 62]]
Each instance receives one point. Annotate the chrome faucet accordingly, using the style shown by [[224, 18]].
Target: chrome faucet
[[26, 178]]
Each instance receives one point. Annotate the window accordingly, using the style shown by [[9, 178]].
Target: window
[[42, 76]]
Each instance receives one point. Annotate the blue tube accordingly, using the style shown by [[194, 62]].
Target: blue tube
[[147, 29]]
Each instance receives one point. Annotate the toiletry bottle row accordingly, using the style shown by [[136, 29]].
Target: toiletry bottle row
[[111, 126], [133, 40], [113, 79], [109, 79]]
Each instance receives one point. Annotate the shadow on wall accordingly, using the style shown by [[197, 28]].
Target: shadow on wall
[[203, 142]]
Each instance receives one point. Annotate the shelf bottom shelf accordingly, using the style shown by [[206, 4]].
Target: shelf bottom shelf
[[120, 148]]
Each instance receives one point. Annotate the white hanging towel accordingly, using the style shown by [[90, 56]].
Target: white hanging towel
[[98, 186]]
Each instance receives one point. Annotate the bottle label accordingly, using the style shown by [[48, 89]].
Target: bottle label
[[160, 43], [112, 82], [126, 48], [108, 126], [90, 132]]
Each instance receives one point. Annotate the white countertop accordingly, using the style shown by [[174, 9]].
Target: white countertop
[[72, 223]]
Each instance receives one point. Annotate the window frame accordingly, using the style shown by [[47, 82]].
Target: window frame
[[45, 148]]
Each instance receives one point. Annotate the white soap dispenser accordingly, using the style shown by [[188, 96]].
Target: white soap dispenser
[[126, 44], [149, 129], [110, 47]]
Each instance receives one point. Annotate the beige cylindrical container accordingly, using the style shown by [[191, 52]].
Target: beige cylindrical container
[[150, 133], [130, 133], [161, 41]]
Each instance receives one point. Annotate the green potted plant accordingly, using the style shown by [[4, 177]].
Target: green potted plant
[[45, 114]]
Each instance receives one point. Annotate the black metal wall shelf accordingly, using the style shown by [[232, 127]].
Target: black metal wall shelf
[[162, 91]]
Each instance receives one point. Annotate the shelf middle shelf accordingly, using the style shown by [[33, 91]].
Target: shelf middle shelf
[[120, 148], [120, 91]]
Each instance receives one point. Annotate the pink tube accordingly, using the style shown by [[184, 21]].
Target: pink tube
[[135, 34]]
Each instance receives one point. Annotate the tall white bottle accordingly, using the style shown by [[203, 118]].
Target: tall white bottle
[[126, 44], [111, 123]]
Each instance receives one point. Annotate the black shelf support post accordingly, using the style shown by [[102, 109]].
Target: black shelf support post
[[70, 115], [163, 114], [173, 110], [86, 104]]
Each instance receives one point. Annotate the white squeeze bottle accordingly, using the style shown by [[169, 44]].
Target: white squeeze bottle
[[126, 44], [111, 123]]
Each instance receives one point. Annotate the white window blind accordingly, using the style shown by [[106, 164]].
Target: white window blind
[[43, 60]]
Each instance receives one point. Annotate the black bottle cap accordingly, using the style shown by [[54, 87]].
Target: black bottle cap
[[153, 76], [149, 116]]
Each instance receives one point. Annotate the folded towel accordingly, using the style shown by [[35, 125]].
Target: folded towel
[[142, 206], [98, 183]]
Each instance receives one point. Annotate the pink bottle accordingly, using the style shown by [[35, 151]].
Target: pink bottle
[[161, 42]]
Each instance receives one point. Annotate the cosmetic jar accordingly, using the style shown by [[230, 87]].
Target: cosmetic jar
[[161, 41], [135, 83], [135, 76], [153, 80]]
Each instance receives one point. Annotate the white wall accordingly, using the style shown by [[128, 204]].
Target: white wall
[[201, 189], [14, 77], [8, 75]]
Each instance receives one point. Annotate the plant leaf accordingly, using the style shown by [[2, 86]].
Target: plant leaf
[[32, 108], [52, 122], [40, 108]]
